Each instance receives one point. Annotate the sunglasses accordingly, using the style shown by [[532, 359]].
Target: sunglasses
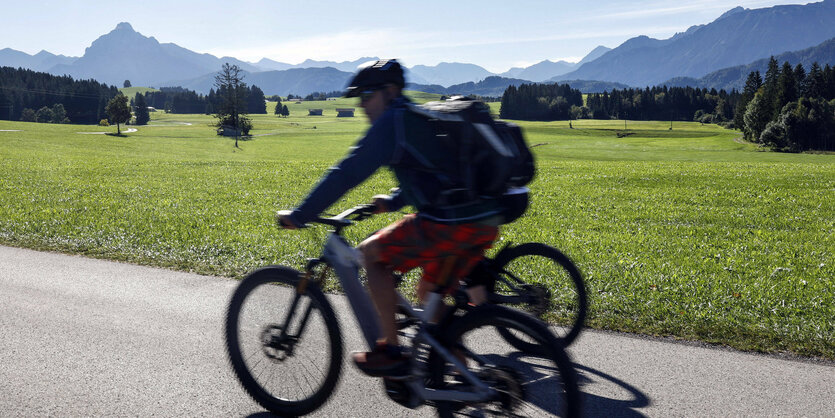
[[366, 95]]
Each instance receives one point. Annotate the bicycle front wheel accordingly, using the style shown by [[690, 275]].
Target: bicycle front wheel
[[285, 347], [548, 282], [522, 385]]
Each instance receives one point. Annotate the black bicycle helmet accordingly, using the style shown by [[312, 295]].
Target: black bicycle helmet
[[379, 74]]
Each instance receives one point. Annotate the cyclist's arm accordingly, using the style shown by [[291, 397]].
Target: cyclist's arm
[[371, 152]]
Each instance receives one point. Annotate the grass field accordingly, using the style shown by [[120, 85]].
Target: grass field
[[683, 232], [130, 92]]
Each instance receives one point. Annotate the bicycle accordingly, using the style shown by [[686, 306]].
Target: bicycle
[[508, 276], [451, 367]]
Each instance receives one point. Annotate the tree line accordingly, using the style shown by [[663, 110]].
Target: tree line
[[544, 102], [789, 109], [27, 93], [541, 102], [181, 100], [661, 103]]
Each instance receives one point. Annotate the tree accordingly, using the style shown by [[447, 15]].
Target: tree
[[802, 125], [771, 86], [285, 111], [752, 85], [118, 111], [757, 116], [28, 115], [787, 89], [232, 108], [815, 84], [142, 114], [59, 114], [43, 115], [278, 107], [801, 81], [256, 102], [126, 84]]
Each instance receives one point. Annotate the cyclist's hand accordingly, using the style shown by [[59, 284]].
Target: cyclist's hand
[[381, 202], [282, 218]]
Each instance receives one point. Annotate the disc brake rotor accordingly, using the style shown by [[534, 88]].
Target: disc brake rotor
[[276, 347]]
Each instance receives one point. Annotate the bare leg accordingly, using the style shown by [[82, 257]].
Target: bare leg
[[381, 287]]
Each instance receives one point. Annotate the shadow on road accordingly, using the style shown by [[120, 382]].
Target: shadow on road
[[593, 405], [597, 406]]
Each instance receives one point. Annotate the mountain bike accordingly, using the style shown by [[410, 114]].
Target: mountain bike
[[284, 343], [537, 278]]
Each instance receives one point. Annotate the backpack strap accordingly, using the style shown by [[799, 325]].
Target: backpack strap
[[399, 136]]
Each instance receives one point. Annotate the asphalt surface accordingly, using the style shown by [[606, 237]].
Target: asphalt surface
[[86, 337]]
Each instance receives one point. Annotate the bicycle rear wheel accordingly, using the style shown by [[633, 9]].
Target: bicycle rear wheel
[[284, 347], [550, 282], [523, 385]]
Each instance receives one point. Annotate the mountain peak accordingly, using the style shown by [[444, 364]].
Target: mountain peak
[[733, 11], [121, 37], [124, 26]]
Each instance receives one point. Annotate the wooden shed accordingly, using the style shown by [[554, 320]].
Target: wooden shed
[[314, 112], [228, 130], [347, 112]]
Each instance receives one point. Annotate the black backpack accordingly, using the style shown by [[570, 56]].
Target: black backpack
[[472, 155]]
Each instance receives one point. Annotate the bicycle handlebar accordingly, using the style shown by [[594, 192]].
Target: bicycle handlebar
[[355, 214]]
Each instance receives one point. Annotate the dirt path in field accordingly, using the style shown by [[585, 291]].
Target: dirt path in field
[[126, 131], [740, 140]]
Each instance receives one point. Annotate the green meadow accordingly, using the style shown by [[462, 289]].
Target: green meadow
[[130, 92], [680, 231]]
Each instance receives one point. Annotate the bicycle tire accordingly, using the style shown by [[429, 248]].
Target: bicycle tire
[[258, 292], [560, 276], [545, 383]]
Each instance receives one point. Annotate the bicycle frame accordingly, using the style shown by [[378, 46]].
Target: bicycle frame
[[346, 261]]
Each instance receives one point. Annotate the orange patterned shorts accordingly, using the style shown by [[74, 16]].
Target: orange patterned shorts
[[446, 252]]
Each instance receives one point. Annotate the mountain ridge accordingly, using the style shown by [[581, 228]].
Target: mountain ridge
[[734, 77], [735, 38]]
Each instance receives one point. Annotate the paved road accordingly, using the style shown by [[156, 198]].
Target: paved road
[[84, 337]]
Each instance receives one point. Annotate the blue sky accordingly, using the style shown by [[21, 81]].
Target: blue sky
[[494, 34]]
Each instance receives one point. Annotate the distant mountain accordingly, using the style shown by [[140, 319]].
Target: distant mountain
[[124, 54], [493, 86], [347, 66], [267, 64], [545, 70], [42, 61], [737, 37], [298, 81], [512, 73], [449, 73], [734, 77], [593, 55]]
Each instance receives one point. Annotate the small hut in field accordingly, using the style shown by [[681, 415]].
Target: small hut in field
[[347, 112], [314, 112]]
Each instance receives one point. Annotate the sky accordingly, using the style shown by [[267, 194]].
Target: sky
[[496, 35]]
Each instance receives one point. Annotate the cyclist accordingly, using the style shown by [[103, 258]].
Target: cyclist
[[445, 240]]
